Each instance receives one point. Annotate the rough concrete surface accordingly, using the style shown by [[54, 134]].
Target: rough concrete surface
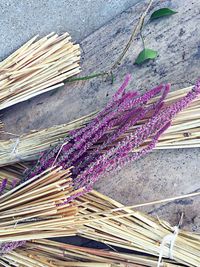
[[20, 20], [162, 173]]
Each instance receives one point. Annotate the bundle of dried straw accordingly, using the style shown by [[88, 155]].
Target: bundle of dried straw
[[48, 253], [184, 132], [29, 146], [38, 208], [37, 67], [116, 225], [104, 220]]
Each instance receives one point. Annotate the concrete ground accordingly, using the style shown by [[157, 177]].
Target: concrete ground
[[20, 20], [162, 173]]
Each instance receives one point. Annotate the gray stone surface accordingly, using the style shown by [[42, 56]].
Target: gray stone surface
[[20, 20], [161, 173]]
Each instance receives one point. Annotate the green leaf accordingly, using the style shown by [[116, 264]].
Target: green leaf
[[162, 12], [146, 54]]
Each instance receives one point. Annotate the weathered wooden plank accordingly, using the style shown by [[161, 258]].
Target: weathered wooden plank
[[161, 174]]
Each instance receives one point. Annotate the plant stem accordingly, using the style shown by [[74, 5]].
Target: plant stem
[[137, 29]]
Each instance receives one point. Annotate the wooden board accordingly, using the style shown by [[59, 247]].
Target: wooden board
[[162, 173]]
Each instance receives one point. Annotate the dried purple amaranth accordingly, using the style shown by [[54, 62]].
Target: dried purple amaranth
[[110, 140], [6, 247], [3, 185]]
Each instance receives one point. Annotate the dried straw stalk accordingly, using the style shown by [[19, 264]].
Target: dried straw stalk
[[37, 67], [113, 224], [183, 133], [33, 210], [48, 253]]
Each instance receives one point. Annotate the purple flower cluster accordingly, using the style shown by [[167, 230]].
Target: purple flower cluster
[[3, 185], [114, 137], [6, 247]]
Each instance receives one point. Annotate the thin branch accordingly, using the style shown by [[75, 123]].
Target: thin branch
[[136, 30]]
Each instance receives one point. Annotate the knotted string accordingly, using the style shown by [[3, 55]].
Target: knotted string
[[14, 153], [168, 240]]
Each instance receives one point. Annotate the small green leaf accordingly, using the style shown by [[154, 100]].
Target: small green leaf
[[162, 12], [146, 54]]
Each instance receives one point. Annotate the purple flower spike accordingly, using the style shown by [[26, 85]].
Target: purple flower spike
[[120, 92], [3, 185], [15, 181], [9, 246]]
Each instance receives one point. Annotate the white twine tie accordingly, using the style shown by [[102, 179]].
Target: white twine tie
[[14, 152], [168, 240]]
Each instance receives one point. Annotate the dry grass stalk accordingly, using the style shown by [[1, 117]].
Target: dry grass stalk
[[32, 210], [37, 67], [52, 254], [125, 228]]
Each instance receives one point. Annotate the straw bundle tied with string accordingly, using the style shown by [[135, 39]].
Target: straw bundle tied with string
[[184, 132], [116, 225], [37, 67], [29, 146], [48, 253], [119, 227], [41, 208]]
